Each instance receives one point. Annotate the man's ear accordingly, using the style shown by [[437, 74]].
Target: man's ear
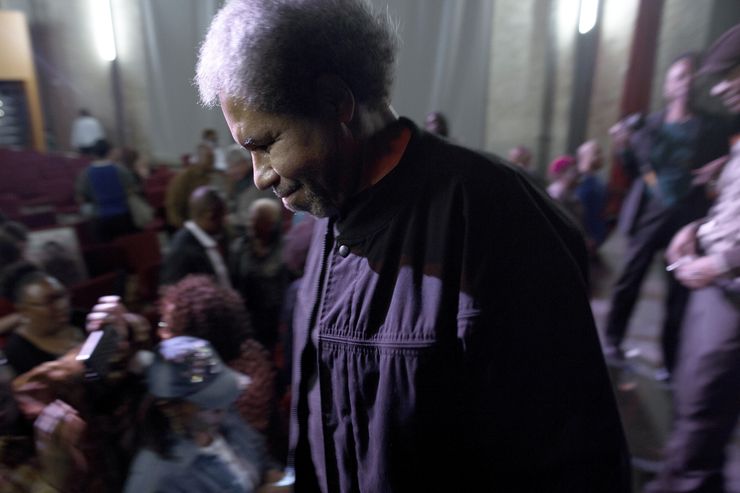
[[335, 98]]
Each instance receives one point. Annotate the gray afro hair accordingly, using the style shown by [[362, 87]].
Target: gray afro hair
[[268, 53]]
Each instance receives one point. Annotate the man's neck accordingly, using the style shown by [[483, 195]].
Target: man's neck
[[378, 148]]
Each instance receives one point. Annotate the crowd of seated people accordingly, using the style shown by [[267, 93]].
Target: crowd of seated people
[[220, 286]]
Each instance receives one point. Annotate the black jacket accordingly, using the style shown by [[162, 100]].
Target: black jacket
[[185, 256], [456, 346]]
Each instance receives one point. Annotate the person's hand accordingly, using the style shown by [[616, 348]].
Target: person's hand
[[133, 330], [59, 432], [682, 244], [620, 135], [108, 310], [700, 272], [709, 171]]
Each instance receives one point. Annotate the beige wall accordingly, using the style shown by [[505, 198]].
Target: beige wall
[[516, 74], [618, 20], [16, 63], [133, 73]]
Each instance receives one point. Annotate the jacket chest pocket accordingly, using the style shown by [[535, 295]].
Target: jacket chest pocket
[[379, 383]]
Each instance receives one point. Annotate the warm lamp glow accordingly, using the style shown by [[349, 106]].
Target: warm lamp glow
[[103, 25], [587, 17]]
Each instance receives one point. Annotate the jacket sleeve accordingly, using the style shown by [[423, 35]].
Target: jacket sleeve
[[536, 397], [185, 257]]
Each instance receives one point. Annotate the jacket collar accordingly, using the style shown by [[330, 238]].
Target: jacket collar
[[373, 208]]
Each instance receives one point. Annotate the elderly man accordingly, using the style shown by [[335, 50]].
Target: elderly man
[[443, 335], [257, 269], [706, 257]]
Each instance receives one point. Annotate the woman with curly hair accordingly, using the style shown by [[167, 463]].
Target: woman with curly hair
[[196, 306]]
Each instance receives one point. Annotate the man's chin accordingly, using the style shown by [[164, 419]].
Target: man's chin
[[313, 206]]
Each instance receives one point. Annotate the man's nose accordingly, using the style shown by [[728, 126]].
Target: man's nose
[[264, 176]]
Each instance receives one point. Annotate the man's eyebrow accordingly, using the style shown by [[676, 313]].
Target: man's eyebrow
[[254, 142]]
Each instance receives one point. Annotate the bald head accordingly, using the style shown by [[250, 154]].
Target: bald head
[[521, 156], [264, 218], [589, 156], [436, 123], [207, 209]]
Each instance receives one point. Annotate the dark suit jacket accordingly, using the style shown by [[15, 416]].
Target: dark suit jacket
[[186, 256]]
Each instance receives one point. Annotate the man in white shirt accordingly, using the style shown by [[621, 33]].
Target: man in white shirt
[[195, 248], [86, 131]]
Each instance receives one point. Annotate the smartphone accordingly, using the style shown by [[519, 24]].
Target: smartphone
[[97, 351]]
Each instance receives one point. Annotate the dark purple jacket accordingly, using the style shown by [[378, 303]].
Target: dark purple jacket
[[456, 343]]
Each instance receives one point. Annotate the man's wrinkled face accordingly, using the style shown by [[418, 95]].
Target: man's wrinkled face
[[306, 160], [728, 90]]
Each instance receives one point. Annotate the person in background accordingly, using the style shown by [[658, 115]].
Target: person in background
[[209, 137], [591, 192], [243, 192], [674, 142], [522, 157], [706, 254], [191, 440], [436, 123], [198, 174], [563, 174], [420, 361], [257, 269], [197, 247], [86, 132], [128, 157], [83, 415], [103, 189], [44, 332], [198, 307]]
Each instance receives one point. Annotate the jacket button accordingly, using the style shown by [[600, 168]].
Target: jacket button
[[343, 250]]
